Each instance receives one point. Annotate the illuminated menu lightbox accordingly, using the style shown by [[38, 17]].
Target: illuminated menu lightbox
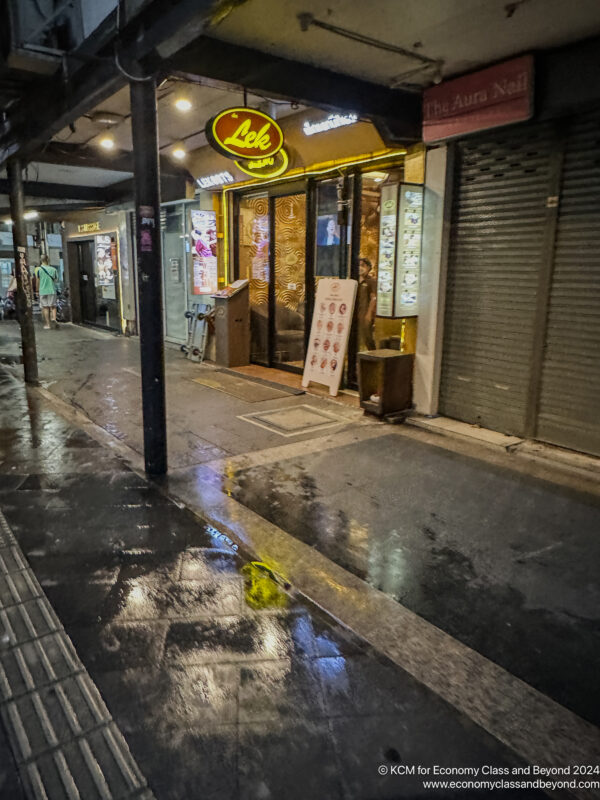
[[387, 250], [400, 236]]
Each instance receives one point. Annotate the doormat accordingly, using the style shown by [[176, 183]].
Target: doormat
[[294, 421], [263, 382], [243, 389]]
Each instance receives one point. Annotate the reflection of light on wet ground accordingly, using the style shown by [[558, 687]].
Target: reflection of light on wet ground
[[136, 595], [271, 639], [220, 537], [387, 567]]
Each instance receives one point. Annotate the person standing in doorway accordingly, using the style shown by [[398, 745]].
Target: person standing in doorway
[[47, 277], [367, 305]]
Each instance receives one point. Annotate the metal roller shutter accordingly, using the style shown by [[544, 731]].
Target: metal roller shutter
[[569, 408], [496, 252]]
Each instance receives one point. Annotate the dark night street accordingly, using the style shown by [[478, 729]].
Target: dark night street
[[299, 380]]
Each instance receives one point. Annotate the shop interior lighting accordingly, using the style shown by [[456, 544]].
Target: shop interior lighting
[[179, 152], [183, 104], [30, 215], [377, 177], [107, 142]]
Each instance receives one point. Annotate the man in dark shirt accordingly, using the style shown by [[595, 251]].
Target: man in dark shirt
[[367, 304]]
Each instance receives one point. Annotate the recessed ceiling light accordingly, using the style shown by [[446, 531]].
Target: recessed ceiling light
[[179, 152], [30, 215], [107, 142], [183, 104]]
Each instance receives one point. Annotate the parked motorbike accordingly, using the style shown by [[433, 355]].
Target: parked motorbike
[[8, 308], [63, 306]]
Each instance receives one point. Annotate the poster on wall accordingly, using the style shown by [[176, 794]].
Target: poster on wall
[[410, 225], [204, 252], [104, 274], [332, 318], [386, 267]]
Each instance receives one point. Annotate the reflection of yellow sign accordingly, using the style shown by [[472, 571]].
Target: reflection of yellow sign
[[261, 587], [269, 167], [88, 227]]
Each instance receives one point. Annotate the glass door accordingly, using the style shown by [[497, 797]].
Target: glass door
[[175, 273], [253, 249], [87, 288], [289, 214]]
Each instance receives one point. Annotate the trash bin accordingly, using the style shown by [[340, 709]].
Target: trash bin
[[385, 381]]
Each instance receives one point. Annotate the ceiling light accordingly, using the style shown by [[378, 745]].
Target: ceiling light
[[106, 118], [107, 142], [183, 104], [30, 215], [179, 152]]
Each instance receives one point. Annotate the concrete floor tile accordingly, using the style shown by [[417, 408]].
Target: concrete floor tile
[[295, 761]]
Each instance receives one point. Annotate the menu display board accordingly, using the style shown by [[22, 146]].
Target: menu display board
[[387, 250], [408, 267], [204, 252], [332, 318], [400, 232]]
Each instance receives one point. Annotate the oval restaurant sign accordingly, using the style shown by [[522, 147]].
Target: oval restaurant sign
[[244, 133]]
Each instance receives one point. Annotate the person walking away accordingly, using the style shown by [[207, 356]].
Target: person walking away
[[367, 304], [47, 277]]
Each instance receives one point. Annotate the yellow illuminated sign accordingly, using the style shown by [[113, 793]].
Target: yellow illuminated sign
[[270, 167], [244, 133], [88, 227]]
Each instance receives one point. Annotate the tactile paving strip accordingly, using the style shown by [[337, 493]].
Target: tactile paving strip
[[62, 735]]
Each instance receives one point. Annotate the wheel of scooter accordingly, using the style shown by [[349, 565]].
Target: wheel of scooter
[[188, 315], [195, 352], [184, 348]]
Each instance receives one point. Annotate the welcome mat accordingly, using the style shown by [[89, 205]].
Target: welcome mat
[[243, 389], [263, 381]]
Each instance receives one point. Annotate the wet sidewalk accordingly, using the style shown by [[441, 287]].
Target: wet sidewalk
[[485, 548], [224, 682], [461, 564]]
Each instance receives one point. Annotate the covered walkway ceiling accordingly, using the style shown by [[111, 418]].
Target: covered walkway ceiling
[[461, 34], [280, 50]]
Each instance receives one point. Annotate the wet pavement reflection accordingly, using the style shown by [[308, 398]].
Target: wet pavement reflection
[[490, 556], [223, 681]]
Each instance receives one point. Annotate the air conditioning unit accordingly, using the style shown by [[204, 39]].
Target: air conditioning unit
[[38, 33]]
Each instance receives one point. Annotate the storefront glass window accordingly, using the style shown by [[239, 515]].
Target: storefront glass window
[[331, 257], [174, 257], [378, 325]]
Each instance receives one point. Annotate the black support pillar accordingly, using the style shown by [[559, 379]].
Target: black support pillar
[[24, 288], [144, 124]]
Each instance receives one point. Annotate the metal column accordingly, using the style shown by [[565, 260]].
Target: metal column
[[24, 288], [144, 125]]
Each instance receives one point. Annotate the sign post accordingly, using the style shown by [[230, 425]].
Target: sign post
[[24, 289]]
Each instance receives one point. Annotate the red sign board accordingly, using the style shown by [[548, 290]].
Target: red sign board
[[244, 133], [495, 96]]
